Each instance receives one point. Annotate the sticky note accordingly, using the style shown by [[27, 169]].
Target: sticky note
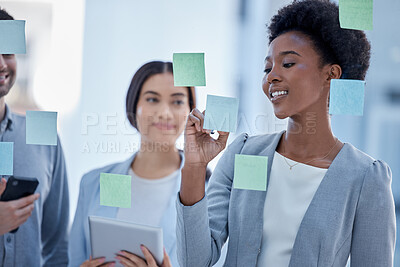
[[250, 172], [346, 97], [41, 128], [115, 190], [189, 69], [6, 158], [12, 37], [356, 14], [221, 113]]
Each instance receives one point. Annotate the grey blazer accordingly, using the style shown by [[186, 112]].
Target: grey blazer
[[352, 213]]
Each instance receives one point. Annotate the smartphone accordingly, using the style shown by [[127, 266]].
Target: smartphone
[[18, 187]]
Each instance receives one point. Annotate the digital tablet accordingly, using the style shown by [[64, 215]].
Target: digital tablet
[[109, 236]]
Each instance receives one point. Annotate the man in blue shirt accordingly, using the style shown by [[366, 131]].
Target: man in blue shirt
[[42, 238]]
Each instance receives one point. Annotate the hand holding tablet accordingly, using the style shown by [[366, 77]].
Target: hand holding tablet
[[111, 237]]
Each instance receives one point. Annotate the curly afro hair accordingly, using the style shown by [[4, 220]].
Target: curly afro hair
[[4, 15], [319, 19]]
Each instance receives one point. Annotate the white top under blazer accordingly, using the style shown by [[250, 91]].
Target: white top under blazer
[[289, 194]]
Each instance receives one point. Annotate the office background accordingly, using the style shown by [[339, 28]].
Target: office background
[[81, 55]]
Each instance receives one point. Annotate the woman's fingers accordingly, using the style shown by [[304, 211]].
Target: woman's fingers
[[128, 259], [149, 258], [127, 262], [223, 138], [193, 120], [166, 261], [94, 263], [195, 112], [3, 184]]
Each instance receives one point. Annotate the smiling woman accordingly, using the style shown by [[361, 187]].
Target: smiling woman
[[325, 200], [158, 110]]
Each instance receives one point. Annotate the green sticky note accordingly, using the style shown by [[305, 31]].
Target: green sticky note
[[356, 14], [189, 69], [346, 97], [6, 158], [115, 190], [221, 113], [41, 128], [250, 172], [12, 37]]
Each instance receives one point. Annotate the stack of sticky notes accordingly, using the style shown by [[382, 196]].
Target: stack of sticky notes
[[115, 190], [6, 158], [12, 39], [189, 69], [221, 113], [346, 97], [41, 128], [355, 14], [250, 172]]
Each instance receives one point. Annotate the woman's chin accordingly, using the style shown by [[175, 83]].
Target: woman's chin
[[280, 115]]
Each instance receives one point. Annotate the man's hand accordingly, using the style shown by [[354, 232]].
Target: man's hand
[[15, 212]]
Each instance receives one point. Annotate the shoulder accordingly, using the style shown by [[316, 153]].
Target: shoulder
[[371, 170], [253, 144]]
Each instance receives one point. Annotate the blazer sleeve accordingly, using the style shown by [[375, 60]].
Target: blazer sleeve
[[374, 229], [202, 228], [56, 215], [78, 245]]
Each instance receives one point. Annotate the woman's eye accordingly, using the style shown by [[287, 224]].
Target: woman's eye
[[152, 100], [178, 102], [288, 65], [267, 70]]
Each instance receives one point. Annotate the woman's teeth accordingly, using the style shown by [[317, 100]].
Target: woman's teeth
[[278, 93]]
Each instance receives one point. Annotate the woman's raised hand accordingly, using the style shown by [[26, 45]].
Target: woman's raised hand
[[200, 147]]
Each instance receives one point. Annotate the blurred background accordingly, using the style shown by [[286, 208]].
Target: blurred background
[[81, 55]]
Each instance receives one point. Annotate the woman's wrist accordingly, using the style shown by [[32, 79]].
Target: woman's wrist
[[193, 183]]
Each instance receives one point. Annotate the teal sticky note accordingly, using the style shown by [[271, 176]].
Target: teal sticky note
[[115, 190], [189, 69], [6, 158], [250, 172], [12, 37], [346, 97], [41, 128], [356, 14], [221, 113]]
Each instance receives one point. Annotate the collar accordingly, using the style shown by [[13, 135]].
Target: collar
[[6, 123]]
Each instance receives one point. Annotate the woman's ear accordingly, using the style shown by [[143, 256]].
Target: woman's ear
[[334, 71]]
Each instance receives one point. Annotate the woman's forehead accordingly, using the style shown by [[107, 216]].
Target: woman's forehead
[[291, 41]]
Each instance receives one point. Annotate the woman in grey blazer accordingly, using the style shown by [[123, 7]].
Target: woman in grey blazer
[[350, 211]]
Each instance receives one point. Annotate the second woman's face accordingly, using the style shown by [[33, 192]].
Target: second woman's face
[[162, 109], [294, 80]]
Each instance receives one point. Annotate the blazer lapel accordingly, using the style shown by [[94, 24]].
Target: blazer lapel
[[320, 214], [251, 233]]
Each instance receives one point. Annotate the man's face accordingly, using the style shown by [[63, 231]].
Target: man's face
[[8, 73]]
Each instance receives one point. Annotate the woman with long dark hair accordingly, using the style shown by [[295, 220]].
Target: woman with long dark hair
[[158, 110]]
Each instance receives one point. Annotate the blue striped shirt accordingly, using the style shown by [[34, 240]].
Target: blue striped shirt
[[43, 239]]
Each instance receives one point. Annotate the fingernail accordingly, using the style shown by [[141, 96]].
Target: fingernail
[[102, 260]]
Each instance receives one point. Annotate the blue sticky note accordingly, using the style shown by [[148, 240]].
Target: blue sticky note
[[115, 190], [250, 172], [221, 113], [189, 69], [12, 37], [41, 128], [6, 158], [346, 97], [356, 14]]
